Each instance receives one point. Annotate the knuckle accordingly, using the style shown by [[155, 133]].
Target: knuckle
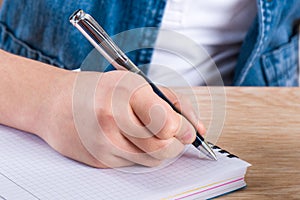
[[103, 113], [139, 90], [169, 129], [105, 118]]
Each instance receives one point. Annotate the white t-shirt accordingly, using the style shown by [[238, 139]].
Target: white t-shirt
[[216, 25]]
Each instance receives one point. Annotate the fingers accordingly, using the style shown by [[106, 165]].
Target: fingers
[[118, 152], [183, 104], [121, 147], [157, 148], [148, 150], [159, 118]]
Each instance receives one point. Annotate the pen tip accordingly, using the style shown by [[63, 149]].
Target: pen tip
[[214, 157], [204, 147]]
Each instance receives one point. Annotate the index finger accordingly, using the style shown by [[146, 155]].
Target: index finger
[[184, 105], [158, 116]]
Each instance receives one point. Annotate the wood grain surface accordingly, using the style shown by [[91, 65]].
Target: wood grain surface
[[261, 126]]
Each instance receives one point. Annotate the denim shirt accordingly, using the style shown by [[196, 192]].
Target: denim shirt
[[39, 29], [269, 54]]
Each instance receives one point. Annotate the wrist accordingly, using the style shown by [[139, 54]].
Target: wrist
[[56, 104], [28, 91]]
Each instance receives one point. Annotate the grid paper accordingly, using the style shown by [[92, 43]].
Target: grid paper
[[42, 173]]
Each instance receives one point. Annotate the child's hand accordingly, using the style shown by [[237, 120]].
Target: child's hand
[[114, 119]]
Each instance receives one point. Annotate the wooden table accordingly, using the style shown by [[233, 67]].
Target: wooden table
[[261, 126]]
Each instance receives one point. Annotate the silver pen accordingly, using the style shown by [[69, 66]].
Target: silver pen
[[88, 26]]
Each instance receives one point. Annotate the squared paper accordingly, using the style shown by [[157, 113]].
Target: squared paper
[[30, 169]]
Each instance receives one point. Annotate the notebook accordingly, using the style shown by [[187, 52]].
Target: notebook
[[30, 169]]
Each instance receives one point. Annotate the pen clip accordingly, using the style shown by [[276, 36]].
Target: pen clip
[[89, 27]]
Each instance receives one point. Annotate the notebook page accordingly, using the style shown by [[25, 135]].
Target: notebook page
[[10, 190], [45, 174]]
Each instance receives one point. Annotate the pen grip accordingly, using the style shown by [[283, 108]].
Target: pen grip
[[157, 91], [102, 42]]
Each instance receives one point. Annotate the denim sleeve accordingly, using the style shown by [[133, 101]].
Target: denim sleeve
[[40, 29]]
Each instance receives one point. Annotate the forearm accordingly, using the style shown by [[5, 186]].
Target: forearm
[[29, 90]]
